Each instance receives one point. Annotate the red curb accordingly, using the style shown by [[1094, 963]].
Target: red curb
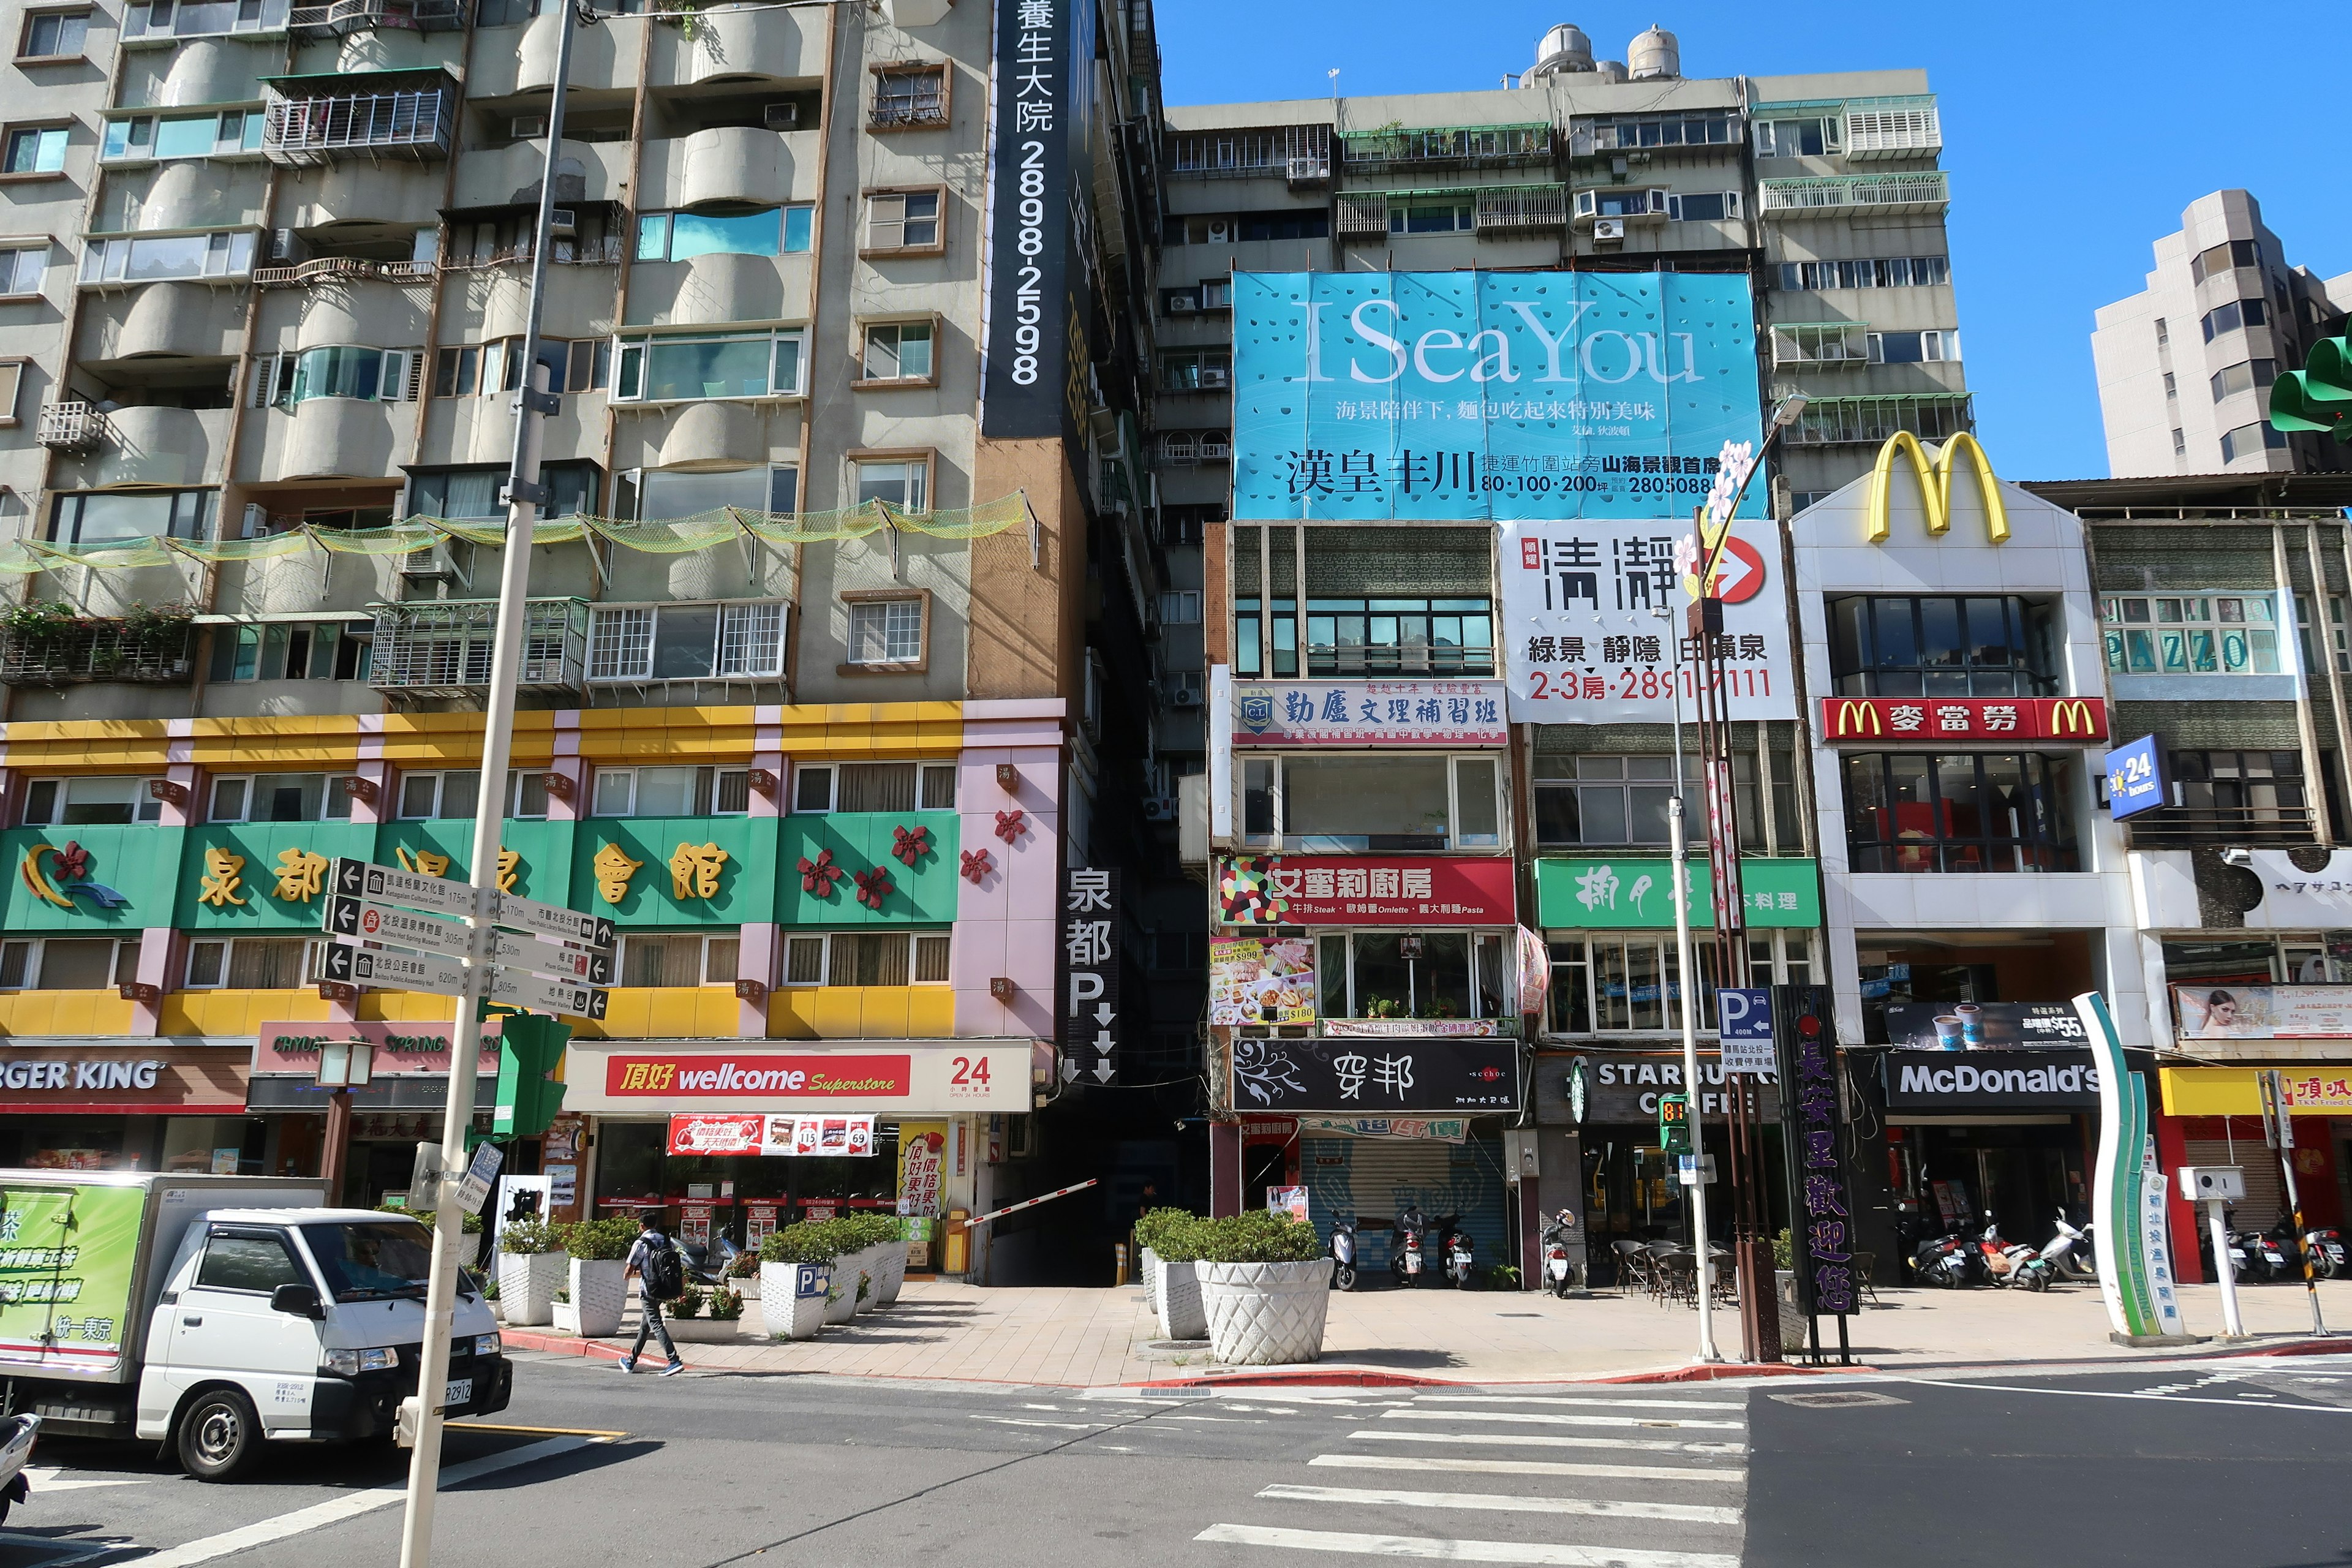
[[1304, 1380], [2338, 1346], [565, 1344]]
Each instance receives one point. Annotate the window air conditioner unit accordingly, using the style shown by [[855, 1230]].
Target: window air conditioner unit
[[1183, 691], [1180, 305], [779, 116], [526, 127], [1221, 231], [1160, 808], [1609, 228], [1213, 375], [561, 221], [257, 521], [281, 245]]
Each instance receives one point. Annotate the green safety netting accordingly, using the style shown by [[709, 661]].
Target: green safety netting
[[670, 536]]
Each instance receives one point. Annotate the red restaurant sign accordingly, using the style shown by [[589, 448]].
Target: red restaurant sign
[[1350, 889], [751, 1075], [698, 1134], [1851, 720]]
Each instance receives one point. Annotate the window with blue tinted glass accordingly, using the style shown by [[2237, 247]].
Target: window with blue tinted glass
[[760, 231]]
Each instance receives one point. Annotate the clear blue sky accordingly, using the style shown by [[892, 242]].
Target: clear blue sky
[[2074, 134]]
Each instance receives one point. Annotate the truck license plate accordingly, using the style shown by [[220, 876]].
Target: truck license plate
[[460, 1392]]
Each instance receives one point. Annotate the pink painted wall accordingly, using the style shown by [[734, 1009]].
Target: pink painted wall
[[1006, 924]]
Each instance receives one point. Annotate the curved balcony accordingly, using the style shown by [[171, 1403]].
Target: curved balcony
[[363, 311], [747, 45], [708, 438], [729, 164], [347, 191], [712, 289], [202, 70], [187, 320], [596, 56], [579, 302], [172, 448], [338, 437], [184, 192], [510, 176]]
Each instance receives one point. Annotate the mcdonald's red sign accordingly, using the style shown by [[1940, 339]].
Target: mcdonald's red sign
[[1851, 721]]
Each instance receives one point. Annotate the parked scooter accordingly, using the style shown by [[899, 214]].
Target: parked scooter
[[1405, 1258], [1561, 1275], [1456, 1250], [2241, 1265], [1343, 1255], [2069, 1254], [2324, 1244], [1943, 1261], [2270, 1255], [16, 1435], [2007, 1263]]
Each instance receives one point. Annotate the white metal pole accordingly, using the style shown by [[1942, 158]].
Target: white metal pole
[[489, 817], [2231, 1324], [1677, 872]]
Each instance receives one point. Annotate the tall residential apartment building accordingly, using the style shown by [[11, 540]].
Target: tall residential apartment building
[[833, 668], [2185, 365]]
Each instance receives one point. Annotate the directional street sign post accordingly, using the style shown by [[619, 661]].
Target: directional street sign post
[[435, 895], [519, 989], [561, 966], [576, 963], [372, 922], [400, 971], [552, 920]]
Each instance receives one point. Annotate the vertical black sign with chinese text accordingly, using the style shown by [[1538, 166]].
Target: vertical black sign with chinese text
[[1090, 916], [1036, 204], [1821, 1228]]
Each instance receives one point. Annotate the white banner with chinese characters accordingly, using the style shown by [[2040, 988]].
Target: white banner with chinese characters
[[1369, 713], [1592, 609]]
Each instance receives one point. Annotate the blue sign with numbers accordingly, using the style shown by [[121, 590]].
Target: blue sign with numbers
[[1747, 1033], [2136, 780], [1488, 395]]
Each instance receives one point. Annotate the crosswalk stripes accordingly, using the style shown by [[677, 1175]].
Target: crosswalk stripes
[[1671, 1497]]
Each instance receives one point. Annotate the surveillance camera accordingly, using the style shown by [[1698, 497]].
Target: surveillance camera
[[2237, 856]]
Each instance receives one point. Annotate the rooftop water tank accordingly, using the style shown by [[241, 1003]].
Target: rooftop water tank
[[1654, 56], [1610, 70], [1564, 48]]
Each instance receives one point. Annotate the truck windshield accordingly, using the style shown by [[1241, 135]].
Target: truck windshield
[[372, 1261]]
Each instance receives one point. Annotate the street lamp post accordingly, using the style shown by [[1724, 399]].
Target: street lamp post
[[1677, 872]]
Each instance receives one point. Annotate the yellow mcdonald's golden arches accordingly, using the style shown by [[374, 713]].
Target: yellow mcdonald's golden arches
[[1935, 485]]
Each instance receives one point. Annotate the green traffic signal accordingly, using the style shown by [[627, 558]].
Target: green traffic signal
[[1673, 1124], [2319, 395], [531, 1046]]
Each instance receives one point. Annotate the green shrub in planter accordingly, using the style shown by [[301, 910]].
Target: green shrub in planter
[[1156, 1224], [601, 1240], [1783, 1251], [811, 1241], [1257, 1237], [726, 1306], [689, 1305], [561, 1293], [527, 1237], [1178, 1237]]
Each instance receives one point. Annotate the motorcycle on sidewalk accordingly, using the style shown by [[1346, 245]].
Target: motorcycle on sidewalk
[[1406, 1255], [1343, 1255], [1457, 1251], [2069, 1254], [1943, 1261], [2010, 1263], [1561, 1274]]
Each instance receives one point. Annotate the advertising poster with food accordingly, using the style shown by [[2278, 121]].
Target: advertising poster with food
[[1258, 980], [66, 1257], [922, 1170]]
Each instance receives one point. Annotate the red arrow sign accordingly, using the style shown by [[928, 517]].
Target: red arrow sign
[[1738, 572]]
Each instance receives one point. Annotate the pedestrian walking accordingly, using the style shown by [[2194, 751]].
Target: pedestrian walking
[[661, 1277]]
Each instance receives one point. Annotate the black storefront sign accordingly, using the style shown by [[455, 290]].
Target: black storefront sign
[[1812, 1129], [1997, 1025], [1090, 944], [2006, 1082], [1377, 1076], [1039, 211], [1623, 1088]]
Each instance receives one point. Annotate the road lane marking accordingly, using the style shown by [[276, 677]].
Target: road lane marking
[[44, 1478], [1531, 1417], [1499, 1502], [336, 1509], [606, 1434], [1720, 1478], [1534, 1440], [2115, 1394], [1559, 1556], [1550, 1399], [1058, 1426]]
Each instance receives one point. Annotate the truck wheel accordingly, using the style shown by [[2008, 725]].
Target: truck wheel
[[219, 1435]]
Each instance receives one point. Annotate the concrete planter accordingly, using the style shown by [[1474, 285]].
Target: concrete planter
[[528, 1283], [704, 1330], [1181, 1314], [1792, 1315], [843, 1306], [563, 1317], [600, 1294], [1265, 1314], [894, 1273], [1147, 1261], [866, 1264], [791, 1298]]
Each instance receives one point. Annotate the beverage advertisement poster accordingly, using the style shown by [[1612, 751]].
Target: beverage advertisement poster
[[66, 1256], [1255, 981]]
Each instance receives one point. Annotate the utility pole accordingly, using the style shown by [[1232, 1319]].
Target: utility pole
[[535, 401], [1678, 873]]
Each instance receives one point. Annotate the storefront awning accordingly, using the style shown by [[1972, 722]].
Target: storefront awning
[[2237, 1091]]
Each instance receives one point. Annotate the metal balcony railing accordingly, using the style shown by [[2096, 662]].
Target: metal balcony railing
[[341, 269], [604, 252], [2191, 827], [338, 18], [1892, 128], [1299, 153], [441, 647], [1446, 147], [1416, 659], [910, 98], [417, 123], [73, 652], [71, 426], [1919, 193]]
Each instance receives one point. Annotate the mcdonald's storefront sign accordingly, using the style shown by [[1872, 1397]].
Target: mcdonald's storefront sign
[[1932, 721], [1960, 458]]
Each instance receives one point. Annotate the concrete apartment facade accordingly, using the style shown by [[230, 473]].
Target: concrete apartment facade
[[2185, 365]]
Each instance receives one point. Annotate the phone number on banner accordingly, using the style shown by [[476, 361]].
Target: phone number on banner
[[1628, 682]]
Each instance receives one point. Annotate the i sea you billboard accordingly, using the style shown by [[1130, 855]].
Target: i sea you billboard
[[1583, 412]]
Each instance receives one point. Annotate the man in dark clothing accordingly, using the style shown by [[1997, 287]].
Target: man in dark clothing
[[654, 1258]]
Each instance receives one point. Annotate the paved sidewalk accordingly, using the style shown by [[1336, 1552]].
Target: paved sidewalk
[[1094, 1338]]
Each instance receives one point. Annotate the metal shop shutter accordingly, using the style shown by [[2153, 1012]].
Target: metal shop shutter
[[1373, 1178]]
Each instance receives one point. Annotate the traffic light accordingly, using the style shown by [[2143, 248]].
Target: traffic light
[[531, 1046], [1673, 1124], [2319, 395]]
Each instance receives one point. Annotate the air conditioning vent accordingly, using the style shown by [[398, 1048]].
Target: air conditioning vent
[[1213, 375], [1160, 808], [781, 116], [561, 221], [281, 245], [1609, 228], [1183, 691], [527, 127], [1221, 231], [1180, 305]]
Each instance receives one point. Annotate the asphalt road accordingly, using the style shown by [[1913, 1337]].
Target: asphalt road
[[589, 1467]]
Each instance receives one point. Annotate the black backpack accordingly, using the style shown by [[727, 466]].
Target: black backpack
[[662, 1274]]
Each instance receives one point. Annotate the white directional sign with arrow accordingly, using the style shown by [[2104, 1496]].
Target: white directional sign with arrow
[[561, 966], [552, 920], [435, 895], [389, 966], [1091, 942], [372, 922], [519, 989]]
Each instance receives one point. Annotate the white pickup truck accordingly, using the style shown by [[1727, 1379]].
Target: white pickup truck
[[220, 1312]]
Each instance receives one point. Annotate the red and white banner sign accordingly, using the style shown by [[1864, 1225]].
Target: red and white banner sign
[[907, 1078], [715, 1134], [1853, 721], [1349, 889], [697, 1133]]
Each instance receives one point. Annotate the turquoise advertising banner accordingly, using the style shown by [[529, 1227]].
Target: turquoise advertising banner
[[1492, 395]]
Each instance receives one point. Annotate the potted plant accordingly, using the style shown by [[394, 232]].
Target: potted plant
[[726, 1306], [531, 1268], [688, 1325], [893, 1261], [600, 1285], [840, 1301], [872, 1236], [1265, 1288], [1148, 1229], [560, 1310], [795, 1281], [1178, 1243]]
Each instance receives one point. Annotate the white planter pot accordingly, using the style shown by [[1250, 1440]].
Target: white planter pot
[[703, 1331], [791, 1298], [869, 1263], [1148, 1261], [1265, 1314], [564, 1316], [894, 1273], [528, 1283], [600, 1293], [1793, 1336], [1181, 1316], [845, 1289]]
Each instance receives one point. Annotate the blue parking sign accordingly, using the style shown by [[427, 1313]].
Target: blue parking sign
[[1747, 1033]]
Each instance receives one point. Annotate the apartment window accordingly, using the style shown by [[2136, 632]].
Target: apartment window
[[712, 365], [21, 268], [2244, 377], [867, 958], [1814, 136], [686, 642], [68, 963], [288, 650], [2163, 335], [904, 484], [1914, 348], [1205, 369], [197, 18], [2224, 258], [1377, 636], [80, 802], [903, 220], [1607, 802], [660, 494], [672, 792], [253, 962], [679, 959], [2237, 314], [724, 231], [1700, 207], [1412, 975], [1391, 804], [147, 137], [1910, 812], [874, 787], [53, 36], [909, 95], [2248, 439], [888, 630], [898, 352], [1904, 646], [2180, 442], [470, 370], [1610, 984], [2340, 634], [1687, 129], [368, 375], [1619, 204], [12, 388], [279, 798], [1181, 607], [106, 516], [1867, 272], [1431, 217], [473, 493], [2242, 788], [2171, 386], [34, 150], [2218, 634], [175, 255]]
